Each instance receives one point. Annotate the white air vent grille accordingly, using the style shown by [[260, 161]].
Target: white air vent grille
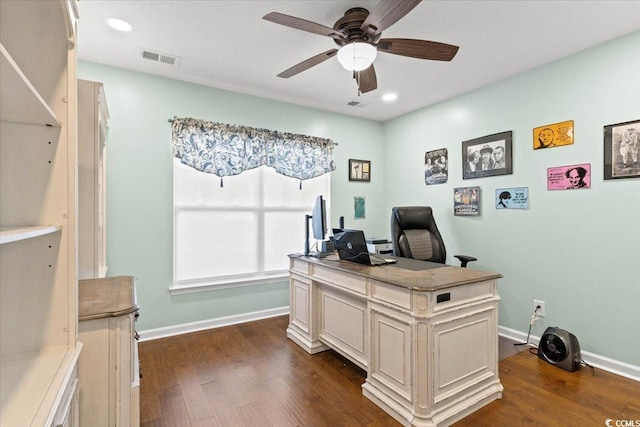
[[357, 104], [165, 58]]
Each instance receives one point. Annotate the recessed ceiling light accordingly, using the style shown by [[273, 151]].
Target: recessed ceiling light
[[119, 24], [388, 97]]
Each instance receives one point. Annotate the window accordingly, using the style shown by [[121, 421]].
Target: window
[[239, 234]]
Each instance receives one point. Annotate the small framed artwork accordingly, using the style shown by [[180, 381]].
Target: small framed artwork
[[572, 177], [555, 135], [359, 170], [621, 150], [436, 169], [487, 156], [466, 201], [512, 198], [359, 208]]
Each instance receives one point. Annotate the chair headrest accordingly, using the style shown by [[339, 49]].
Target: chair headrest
[[413, 217]]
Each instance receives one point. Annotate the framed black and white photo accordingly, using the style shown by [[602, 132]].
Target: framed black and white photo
[[487, 156], [359, 170], [621, 146]]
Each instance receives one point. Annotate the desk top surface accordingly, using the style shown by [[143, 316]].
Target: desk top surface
[[408, 273], [106, 297]]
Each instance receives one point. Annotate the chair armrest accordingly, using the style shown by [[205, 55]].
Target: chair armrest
[[464, 259]]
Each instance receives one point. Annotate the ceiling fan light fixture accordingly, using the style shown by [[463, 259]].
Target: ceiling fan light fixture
[[357, 56]]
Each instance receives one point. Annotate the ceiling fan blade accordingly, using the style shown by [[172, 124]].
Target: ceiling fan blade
[[385, 14], [308, 63], [422, 49], [302, 24], [367, 80]]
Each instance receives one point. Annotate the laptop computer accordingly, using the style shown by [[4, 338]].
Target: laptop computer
[[352, 246]]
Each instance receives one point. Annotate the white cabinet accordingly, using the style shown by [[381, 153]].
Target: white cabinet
[[108, 367], [38, 304], [93, 117]]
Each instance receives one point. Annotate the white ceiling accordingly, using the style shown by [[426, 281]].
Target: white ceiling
[[227, 44]]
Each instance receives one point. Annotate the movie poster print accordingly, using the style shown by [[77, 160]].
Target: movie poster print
[[436, 166], [554, 135], [573, 177], [466, 201], [512, 198]]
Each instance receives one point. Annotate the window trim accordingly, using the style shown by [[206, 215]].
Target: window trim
[[228, 282]]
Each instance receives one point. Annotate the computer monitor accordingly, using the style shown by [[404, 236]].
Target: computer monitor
[[318, 220]]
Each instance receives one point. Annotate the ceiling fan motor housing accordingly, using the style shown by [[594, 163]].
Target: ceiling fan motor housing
[[560, 348], [350, 25]]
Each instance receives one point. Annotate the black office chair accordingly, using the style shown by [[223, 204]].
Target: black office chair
[[414, 234]]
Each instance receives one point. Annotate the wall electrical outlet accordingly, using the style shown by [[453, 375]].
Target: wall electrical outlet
[[541, 311]]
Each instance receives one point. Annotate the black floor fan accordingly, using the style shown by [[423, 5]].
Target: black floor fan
[[560, 348]]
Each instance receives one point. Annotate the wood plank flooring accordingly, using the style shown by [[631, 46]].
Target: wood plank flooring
[[252, 375]]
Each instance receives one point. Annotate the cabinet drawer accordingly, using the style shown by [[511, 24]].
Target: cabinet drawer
[[299, 266], [342, 280]]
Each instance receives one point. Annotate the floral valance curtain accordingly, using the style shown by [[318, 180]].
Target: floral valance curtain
[[225, 150]]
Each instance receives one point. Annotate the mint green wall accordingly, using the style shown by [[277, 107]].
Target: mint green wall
[[575, 250], [139, 183]]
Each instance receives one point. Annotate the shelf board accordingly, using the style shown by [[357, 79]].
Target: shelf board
[[20, 101], [31, 383], [15, 234]]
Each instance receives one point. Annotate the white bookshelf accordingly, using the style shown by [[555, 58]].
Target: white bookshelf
[[20, 101], [38, 309], [15, 234]]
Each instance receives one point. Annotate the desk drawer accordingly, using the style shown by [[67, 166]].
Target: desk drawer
[[299, 266], [341, 279], [391, 294]]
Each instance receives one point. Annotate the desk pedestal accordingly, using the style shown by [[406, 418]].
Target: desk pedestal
[[427, 339]]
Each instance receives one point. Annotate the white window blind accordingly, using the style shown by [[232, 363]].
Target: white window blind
[[239, 234]]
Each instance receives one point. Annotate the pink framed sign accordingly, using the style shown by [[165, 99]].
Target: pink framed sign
[[572, 177]]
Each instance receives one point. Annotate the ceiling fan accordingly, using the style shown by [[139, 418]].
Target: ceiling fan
[[358, 33]]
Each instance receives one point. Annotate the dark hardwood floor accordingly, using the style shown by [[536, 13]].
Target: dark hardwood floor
[[252, 375]]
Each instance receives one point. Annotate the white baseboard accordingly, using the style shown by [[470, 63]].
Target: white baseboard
[[623, 369], [185, 328], [610, 365]]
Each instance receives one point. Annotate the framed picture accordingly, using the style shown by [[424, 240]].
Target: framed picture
[[555, 135], [572, 177], [436, 166], [621, 147], [512, 198], [359, 208], [466, 201], [359, 170], [487, 156]]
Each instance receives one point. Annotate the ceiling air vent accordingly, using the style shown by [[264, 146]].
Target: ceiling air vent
[[165, 58], [356, 104]]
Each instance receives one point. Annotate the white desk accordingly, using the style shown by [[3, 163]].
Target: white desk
[[428, 338]]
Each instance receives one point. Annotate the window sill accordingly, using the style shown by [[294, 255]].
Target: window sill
[[228, 283]]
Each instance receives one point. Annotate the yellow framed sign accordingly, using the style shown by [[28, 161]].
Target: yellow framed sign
[[554, 135]]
